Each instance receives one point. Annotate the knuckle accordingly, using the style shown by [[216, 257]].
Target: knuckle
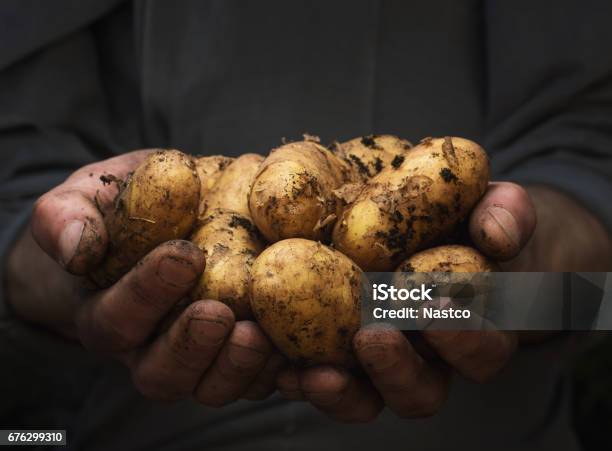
[[40, 206], [42, 213]]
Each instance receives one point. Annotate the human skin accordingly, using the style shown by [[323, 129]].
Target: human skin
[[175, 351]]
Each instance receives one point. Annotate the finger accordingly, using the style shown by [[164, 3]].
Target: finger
[[409, 386], [122, 317], [288, 384], [239, 362], [340, 395], [503, 221], [67, 223], [70, 228], [472, 346], [171, 367], [265, 383], [475, 354]]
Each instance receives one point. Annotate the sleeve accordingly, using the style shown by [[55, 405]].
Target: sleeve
[[549, 96], [53, 120], [52, 115]]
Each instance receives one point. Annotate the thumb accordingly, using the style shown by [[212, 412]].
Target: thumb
[[69, 227], [67, 223], [503, 221]]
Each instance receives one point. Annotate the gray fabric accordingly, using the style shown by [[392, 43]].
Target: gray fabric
[[81, 81]]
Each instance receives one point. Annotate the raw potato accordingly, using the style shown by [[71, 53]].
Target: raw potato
[[306, 297], [452, 269], [209, 170], [370, 154], [293, 193], [451, 258], [158, 203], [230, 243], [411, 205], [231, 191]]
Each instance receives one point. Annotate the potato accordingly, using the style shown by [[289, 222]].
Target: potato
[[293, 193], [409, 206], [158, 203], [451, 269], [450, 258], [369, 155], [306, 297], [230, 243], [209, 170], [232, 187]]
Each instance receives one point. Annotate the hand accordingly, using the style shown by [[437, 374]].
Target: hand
[[172, 350], [412, 377]]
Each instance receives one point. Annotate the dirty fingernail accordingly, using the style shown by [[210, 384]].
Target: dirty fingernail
[[177, 272], [206, 332], [69, 241]]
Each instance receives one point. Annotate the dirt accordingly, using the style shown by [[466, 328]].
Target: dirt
[[370, 142], [378, 165], [407, 267], [448, 175], [449, 151], [397, 161], [246, 224], [363, 169]]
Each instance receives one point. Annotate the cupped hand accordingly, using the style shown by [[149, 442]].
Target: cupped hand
[[173, 349], [411, 377]]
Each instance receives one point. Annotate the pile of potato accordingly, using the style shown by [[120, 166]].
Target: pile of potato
[[288, 237]]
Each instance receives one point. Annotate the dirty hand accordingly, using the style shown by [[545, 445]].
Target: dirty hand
[[410, 383], [172, 349]]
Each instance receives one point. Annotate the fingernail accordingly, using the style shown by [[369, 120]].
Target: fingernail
[[205, 332], [506, 222], [375, 357], [177, 272], [243, 357], [69, 241]]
